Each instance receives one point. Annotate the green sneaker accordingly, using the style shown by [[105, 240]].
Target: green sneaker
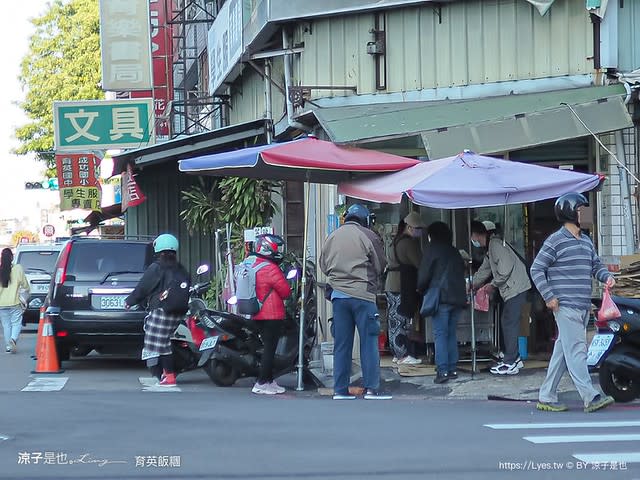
[[598, 403], [552, 407]]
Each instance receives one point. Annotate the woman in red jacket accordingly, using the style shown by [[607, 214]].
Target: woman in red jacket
[[271, 289]]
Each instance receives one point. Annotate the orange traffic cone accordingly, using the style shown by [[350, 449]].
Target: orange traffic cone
[[40, 325], [47, 361]]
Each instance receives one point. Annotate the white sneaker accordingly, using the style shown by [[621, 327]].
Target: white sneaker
[[277, 388], [263, 389], [409, 360], [507, 368], [394, 360]]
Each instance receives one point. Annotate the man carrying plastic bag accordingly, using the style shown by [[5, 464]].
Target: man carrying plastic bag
[[562, 273]]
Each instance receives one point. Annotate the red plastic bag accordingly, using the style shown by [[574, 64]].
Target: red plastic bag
[[481, 299], [608, 309]]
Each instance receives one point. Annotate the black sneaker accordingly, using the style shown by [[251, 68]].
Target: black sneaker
[[453, 375], [441, 378], [372, 394], [343, 396]]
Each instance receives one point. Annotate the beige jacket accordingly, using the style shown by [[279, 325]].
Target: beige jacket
[[509, 273], [10, 296], [353, 259]]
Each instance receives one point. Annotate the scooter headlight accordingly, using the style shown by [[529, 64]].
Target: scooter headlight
[[614, 326]]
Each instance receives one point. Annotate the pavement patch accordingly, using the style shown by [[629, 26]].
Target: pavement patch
[[46, 384]]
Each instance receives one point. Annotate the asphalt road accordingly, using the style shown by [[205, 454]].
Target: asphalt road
[[98, 419]]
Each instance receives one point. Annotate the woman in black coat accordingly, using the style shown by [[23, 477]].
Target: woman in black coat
[[443, 266]]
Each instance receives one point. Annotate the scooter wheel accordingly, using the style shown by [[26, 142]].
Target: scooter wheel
[[620, 388], [221, 373]]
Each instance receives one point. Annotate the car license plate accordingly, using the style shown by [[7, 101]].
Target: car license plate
[[208, 343], [112, 302], [599, 345], [40, 287]]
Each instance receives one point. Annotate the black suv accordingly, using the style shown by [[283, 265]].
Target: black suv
[[92, 278]]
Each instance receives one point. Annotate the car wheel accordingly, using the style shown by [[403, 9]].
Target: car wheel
[[622, 389], [63, 352], [221, 373]]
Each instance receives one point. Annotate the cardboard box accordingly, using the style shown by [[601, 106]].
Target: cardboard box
[[627, 260]]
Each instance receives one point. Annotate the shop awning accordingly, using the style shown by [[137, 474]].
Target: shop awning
[[234, 136], [488, 125]]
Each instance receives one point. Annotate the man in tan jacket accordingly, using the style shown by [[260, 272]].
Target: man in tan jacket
[[504, 270], [353, 259]]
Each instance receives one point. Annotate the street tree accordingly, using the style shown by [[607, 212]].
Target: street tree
[[62, 63]]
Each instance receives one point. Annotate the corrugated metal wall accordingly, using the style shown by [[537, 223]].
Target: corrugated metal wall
[[247, 94], [464, 43], [628, 36], [160, 213]]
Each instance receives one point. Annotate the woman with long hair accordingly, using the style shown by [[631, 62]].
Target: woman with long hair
[[12, 279], [404, 258]]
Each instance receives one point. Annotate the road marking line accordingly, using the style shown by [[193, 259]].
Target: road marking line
[[150, 384], [618, 457], [526, 426], [46, 384], [3, 437], [622, 437]]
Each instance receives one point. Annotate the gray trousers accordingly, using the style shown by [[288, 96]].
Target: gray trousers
[[510, 321], [569, 353]]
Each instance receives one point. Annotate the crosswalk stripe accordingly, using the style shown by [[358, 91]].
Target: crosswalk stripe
[[614, 457], [150, 384], [622, 437], [46, 384], [526, 426]]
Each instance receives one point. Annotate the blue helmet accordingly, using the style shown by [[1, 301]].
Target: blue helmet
[[165, 242], [358, 213]]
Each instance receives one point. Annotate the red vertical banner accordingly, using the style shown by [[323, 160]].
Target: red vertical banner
[[79, 181], [161, 59], [131, 193]]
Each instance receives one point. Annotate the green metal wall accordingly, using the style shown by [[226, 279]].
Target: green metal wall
[[160, 213], [629, 36]]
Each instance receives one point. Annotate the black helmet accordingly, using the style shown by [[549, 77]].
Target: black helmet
[[270, 246], [567, 205], [358, 213]]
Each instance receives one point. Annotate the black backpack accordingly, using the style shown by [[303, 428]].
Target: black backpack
[[174, 295]]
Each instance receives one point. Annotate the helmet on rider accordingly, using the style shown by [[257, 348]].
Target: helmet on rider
[[165, 242], [566, 207], [270, 246], [358, 213]]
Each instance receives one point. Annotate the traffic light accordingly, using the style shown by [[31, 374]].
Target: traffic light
[[36, 185], [50, 184]]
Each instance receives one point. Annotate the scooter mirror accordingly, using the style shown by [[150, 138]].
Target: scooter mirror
[[202, 269], [232, 300], [292, 274]]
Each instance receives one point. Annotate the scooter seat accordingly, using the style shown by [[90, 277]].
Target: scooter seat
[[632, 303]]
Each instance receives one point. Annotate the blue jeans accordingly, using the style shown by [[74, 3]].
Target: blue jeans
[[349, 313], [11, 318], [444, 331]]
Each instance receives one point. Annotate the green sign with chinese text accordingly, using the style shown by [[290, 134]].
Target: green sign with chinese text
[[103, 124]]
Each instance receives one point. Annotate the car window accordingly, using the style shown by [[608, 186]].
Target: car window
[[93, 261], [37, 261]]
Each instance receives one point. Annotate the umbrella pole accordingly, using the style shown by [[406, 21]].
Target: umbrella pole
[[300, 386], [473, 323]]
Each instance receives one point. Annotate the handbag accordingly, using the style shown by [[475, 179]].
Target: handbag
[[431, 298]]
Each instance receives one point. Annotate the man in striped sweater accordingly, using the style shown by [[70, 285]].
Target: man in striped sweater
[[562, 273]]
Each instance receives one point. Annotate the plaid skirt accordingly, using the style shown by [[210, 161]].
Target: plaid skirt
[[158, 327]]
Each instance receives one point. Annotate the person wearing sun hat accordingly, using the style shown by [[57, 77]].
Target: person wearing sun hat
[[404, 258]]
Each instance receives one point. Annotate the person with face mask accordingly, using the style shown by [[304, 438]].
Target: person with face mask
[[404, 257], [562, 273], [503, 269]]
